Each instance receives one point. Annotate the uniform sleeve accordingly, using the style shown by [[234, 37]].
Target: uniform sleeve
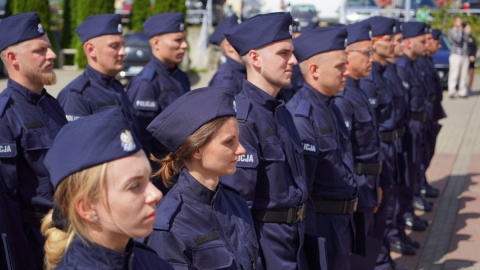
[[8, 156], [244, 180], [142, 96], [346, 110], [74, 104], [170, 248]]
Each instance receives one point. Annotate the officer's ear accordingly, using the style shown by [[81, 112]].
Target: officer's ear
[[89, 49], [254, 58], [313, 70], [11, 57], [85, 210]]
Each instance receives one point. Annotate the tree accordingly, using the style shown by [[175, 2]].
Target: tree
[[162, 6], [80, 11], [443, 20], [141, 10]]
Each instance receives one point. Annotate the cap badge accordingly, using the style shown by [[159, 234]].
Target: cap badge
[[181, 27], [119, 28], [234, 106], [370, 33], [290, 30], [394, 29], [127, 141], [346, 42], [40, 29]]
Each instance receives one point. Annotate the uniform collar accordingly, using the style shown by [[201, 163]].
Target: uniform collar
[[236, 65], [161, 67], [259, 96], [377, 67], [351, 82], [99, 77], [88, 254], [195, 189], [27, 93], [317, 97]]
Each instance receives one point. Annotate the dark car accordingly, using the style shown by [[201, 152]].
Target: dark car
[[440, 59], [305, 14], [138, 54]]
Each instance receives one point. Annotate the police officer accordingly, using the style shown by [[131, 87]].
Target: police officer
[[201, 131], [29, 121], [96, 88], [360, 120], [414, 138], [270, 175], [434, 111], [286, 93], [103, 201], [232, 73], [397, 233], [326, 143], [161, 81]]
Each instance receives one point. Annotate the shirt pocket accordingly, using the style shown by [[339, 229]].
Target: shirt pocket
[[213, 256], [35, 145], [363, 115], [273, 178]]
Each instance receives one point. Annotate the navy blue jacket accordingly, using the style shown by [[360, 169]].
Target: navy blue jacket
[[28, 125], [400, 100], [328, 163], [361, 123], [92, 256], [198, 228], [416, 99], [230, 75], [92, 92], [151, 91], [271, 174]]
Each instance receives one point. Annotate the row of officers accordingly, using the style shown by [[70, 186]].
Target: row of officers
[[303, 153]]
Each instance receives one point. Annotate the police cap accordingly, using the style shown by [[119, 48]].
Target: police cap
[[259, 31], [90, 141], [189, 112], [168, 22], [319, 40], [359, 31], [99, 25], [225, 25], [19, 27]]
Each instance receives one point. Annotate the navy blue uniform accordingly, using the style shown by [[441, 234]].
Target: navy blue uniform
[[230, 75], [270, 176], [381, 97], [153, 89], [403, 181], [330, 169], [198, 228], [92, 92], [361, 123], [296, 83], [81, 255], [414, 138], [28, 125]]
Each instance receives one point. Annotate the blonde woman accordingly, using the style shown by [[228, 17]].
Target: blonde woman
[[203, 224], [103, 197]]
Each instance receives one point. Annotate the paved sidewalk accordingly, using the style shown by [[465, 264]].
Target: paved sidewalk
[[452, 239]]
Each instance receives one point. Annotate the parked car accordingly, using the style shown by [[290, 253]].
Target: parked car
[[440, 59], [305, 14], [138, 54]]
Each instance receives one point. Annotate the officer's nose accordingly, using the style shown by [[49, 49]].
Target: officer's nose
[[293, 60], [153, 195], [51, 54], [122, 51], [240, 150]]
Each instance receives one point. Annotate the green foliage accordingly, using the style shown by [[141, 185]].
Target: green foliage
[[80, 11], [162, 6], [140, 12], [443, 20], [67, 29]]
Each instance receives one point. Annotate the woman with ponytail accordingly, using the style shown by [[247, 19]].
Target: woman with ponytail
[[103, 197], [203, 224]]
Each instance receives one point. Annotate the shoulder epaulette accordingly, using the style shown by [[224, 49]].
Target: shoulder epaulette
[[3, 103], [81, 83], [303, 108], [243, 108], [148, 73], [168, 207], [144, 247]]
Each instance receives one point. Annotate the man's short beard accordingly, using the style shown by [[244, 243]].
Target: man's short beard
[[43, 78]]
